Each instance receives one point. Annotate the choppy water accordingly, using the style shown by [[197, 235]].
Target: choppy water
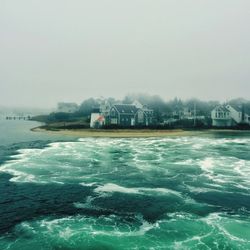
[[155, 193]]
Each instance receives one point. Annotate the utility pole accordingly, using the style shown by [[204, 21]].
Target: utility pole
[[194, 114], [243, 113]]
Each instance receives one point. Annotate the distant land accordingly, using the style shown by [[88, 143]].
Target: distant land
[[139, 111], [8, 111]]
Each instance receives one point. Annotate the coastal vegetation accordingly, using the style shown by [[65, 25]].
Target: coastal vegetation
[[166, 114]]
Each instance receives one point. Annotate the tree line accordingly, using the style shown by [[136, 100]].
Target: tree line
[[162, 109]]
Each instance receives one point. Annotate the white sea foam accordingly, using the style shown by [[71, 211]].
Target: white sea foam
[[111, 188], [181, 231], [207, 164], [198, 146], [96, 164], [80, 205], [67, 227], [219, 221], [186, 162], [19, 176], [91, 184], [97, 160]]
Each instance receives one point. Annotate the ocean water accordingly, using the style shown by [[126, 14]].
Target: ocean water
[[150, 193]]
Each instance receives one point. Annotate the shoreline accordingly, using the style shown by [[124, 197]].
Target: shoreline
[[130, 133], [116, 133]]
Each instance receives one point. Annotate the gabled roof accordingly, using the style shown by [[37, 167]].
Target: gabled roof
[[239, 108], [126, 108], [222, 108], [236, 107]]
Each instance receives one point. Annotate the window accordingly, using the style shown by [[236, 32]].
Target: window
[[112, 112], [140, 117], [113, 121]]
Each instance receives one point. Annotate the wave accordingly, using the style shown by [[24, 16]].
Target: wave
[[177, 230], [111, 188]]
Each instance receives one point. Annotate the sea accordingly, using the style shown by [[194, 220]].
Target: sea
[[176, 192]]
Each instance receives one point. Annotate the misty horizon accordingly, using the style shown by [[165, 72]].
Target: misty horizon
[[133, 96], [63, 52]]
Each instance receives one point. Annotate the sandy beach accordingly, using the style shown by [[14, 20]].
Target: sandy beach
[[117, 133]]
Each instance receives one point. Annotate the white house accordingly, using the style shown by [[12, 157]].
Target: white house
[[228, 116], [96, 120]]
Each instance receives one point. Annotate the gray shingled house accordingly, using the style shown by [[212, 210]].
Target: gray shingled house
[[128, 115]]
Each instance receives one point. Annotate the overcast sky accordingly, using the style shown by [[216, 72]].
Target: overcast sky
[[69, 50]]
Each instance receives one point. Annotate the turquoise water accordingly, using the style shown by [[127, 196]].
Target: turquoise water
[[148, 193]]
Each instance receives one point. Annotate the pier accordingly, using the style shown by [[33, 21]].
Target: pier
[[18, 117]]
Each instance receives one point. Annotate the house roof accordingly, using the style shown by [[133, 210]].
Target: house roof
[[239, 108], [236, 107], [222, 108], [126, 108]]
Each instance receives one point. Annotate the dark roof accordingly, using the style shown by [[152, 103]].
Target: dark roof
[[236, 107], [239, 108], [223, 108], [126, 108]]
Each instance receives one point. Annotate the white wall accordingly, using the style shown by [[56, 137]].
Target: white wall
[[94, 118]]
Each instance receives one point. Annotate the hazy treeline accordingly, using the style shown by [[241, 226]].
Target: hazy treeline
[[162, 109], [165, 108]]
